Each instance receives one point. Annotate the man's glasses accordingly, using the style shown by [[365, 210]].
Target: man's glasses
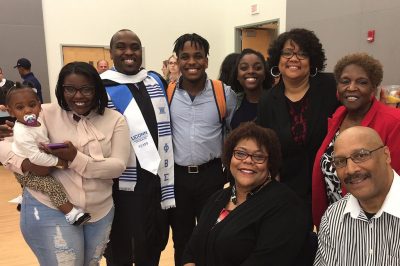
[[357, 157], [85, 90], [242, 155], [290, 53]]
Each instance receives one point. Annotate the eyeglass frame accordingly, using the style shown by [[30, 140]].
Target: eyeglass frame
[[299, 56], [356, 161], [92, 92], [251, 156]]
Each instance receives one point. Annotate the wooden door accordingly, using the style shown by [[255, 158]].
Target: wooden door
[[258, 39], [86, 54]]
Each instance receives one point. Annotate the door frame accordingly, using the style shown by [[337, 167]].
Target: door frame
[[238, 31]]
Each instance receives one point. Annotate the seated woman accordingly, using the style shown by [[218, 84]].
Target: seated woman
[[358, 77], [97, 151], [249, 78], [257, 221]]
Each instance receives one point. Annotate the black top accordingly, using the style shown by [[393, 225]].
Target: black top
[[269, 228], [298, 159], [246, 112], [31, 78]]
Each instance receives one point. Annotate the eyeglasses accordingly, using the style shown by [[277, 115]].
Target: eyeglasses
[[172, 63], [357, 157], [242, 155], [85, 90], [290, 53]]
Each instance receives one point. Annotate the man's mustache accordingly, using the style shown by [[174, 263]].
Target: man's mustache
[[350, 177]]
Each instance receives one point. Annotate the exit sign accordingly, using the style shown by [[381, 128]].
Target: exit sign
[[254, 9]]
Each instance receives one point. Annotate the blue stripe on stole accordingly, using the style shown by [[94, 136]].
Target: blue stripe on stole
[[167, 194], [169, 187], [155, 91], [167, 198], [121, 96], [130, 174], [164, 129], [159, 83], [164, 199]]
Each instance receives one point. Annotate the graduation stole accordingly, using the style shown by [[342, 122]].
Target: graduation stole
[[157, 160]]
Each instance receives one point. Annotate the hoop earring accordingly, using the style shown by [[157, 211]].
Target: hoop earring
[[272, 72], [316, 72]]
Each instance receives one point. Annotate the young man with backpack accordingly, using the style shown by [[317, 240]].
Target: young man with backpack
[[201, 111]]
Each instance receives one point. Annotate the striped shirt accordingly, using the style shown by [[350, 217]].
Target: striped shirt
[[347, 237]]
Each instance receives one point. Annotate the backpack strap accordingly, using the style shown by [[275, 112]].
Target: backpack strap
[[171, 91], [220, 98]]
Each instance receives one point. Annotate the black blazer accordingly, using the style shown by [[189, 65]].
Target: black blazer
[[298, 160], [269, 228]]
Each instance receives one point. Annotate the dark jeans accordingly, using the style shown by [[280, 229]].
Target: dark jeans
[[191, 194]]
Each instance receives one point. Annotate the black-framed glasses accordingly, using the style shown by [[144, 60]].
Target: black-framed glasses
[[242, 155], [85, 90], [290, 53], [357, 157]]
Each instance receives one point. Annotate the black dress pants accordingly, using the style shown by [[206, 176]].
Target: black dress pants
[[140, 227], [192, 191]]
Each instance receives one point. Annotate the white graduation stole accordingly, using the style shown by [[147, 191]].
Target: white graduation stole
[[149, 157]]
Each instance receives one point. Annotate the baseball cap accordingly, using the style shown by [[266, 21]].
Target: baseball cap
[[23, 62]]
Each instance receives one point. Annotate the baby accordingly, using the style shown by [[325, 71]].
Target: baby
[[23, 104]]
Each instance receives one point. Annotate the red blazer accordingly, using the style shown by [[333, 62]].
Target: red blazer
[[385, 120]]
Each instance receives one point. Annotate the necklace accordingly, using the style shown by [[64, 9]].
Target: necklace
[[251, 193]]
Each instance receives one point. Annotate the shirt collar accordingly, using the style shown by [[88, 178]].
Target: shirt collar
[[179, 83], [114, 75], [390, 205]]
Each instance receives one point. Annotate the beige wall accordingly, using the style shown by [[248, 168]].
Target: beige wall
[[158, 24]]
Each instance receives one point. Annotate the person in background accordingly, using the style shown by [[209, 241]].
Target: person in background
[[173, 69], [362, 228], [227, 66], [358, 76], [97, 151], [249, 78], [146, 189], [24, 69], [258, 220], [164, 69], [5, 86], [298, 107], [102, 65], [198, 133]]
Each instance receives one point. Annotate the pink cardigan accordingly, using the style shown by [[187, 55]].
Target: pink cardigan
[[385, 120], [103, 150]]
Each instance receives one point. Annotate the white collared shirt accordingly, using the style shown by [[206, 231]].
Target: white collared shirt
[[348, 237]]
